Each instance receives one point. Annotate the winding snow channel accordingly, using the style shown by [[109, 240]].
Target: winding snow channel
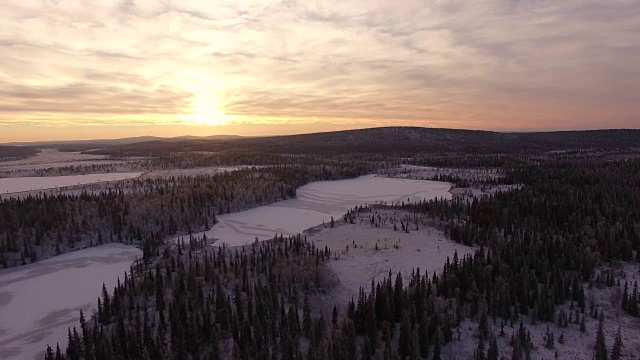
[[316, 203], [38, 302]]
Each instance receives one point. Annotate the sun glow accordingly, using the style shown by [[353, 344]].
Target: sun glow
[[206, 111]]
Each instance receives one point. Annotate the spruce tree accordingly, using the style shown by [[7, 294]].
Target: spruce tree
[[437, 348], [306, 318], [492, 352], [405, 341], [601, 346], [616, 351]]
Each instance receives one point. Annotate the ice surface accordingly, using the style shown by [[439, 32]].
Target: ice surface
[[317, 202], [38, 302], [19, 184]]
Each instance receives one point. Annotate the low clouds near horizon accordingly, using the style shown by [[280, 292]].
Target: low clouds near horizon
[[527, 64]]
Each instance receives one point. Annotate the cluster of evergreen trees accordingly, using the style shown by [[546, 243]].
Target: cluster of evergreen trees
[[630, 299], [142, 210], [156, 158], [8, 153], [198, 302], [538, 245]]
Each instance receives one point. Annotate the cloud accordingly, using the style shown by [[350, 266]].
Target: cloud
[[480, 64]]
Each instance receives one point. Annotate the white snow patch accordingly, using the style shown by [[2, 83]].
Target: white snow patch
[[53, 156], [38, 302], [426, 249], [20, 184], [316, 203]]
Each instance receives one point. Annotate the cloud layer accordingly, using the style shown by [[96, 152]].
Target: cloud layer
[[496, 64]]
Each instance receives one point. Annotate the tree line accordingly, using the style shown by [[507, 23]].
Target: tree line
[[135, 211], [538, 247]]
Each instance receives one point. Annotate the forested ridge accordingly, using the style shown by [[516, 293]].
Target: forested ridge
[[540, 246], [8, 153], [399, 141], [145, 211]]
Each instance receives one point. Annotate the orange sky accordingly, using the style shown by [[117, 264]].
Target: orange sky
[[101, 69]]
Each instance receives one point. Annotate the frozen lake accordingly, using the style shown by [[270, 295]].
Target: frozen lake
[[317, 202], [38, 302], [19, 184]]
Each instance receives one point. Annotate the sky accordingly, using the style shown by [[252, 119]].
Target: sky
[[105, 69]]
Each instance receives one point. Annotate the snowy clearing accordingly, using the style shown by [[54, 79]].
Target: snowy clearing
[[38, 302], [316, 203], [426, 248], [20, 184]]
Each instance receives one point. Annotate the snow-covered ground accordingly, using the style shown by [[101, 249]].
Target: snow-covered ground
[[46, 158], [20, 184], [577, 345], [38, 302], [397, 251], [316, 203], [480, 180]]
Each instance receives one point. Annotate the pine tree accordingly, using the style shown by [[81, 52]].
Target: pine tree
[[601, 346], [492, 352], [306, 318], [479, 351], [436, 348], [549, 337], [415, 344], [59, 355], [49, 355], [633, 301], [561, 338], [405, 341], [616, 351]]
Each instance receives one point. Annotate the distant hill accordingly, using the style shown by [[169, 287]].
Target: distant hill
[[15, 152], [121, 141], [402, 141], [398, 140]]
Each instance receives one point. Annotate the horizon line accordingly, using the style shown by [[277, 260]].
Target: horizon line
[[213, 136]]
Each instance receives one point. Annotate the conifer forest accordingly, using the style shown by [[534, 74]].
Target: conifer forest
[[549, 224]]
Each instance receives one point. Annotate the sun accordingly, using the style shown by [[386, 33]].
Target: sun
[[206, 111]]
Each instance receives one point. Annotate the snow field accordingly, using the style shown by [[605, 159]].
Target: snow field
[[38, 302], [20, 184], [316, 203], [398, 251]]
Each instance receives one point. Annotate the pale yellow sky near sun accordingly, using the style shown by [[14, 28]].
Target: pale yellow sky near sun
[[103, 69]]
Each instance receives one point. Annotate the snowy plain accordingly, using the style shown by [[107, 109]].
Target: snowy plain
[[38, 302], [316, 203], [51, 157], [20, 184], [363, 251]]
